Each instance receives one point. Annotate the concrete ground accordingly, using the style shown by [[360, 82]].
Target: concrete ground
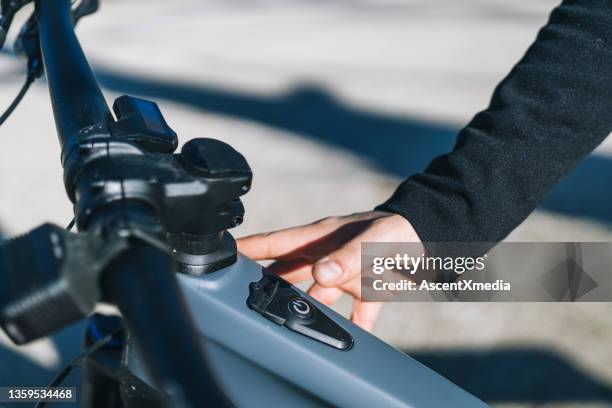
[[333, 103]]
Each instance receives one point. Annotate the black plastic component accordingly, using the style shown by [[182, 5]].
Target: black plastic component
[[200, 254], [186, 199], [194, 194], [84, 8], [8, 8], [35, 300], [142, 122], [281, 303], [27, 44], [50, 276], [214, 158]]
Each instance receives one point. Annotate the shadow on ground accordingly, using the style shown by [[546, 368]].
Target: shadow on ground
[[397, 145], [517, 375]]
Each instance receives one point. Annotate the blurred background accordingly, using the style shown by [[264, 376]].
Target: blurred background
[[333, 103]]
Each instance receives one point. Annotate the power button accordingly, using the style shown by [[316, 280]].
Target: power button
[[300, 308], [278, 301]]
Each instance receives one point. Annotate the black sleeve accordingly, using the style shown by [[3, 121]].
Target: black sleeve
[[553, 109]]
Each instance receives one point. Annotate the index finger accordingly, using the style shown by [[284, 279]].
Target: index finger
[[283, 244]]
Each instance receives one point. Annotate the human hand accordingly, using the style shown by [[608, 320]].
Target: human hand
[[329, 250]]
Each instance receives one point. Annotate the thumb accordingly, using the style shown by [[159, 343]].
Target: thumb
[[340, 266]]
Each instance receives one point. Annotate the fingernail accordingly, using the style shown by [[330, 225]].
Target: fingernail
[[327, 272]]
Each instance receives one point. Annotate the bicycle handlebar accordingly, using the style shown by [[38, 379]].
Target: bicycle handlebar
[[142, 281], [143, 286]]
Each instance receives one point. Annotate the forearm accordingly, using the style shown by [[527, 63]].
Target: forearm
[[553, 108]]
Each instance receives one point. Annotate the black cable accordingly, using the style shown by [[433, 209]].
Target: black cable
[[29, 79], [71, 224], [77, 361]]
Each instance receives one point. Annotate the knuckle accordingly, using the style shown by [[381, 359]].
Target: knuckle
[[349, 259]]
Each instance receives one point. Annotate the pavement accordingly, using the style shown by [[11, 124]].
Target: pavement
[[333, 103]]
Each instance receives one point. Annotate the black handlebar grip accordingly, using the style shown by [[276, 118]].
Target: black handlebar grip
[[37, 296]]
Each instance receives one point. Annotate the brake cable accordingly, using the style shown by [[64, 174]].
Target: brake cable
[[27, 43], [24, 89], [71, 224]]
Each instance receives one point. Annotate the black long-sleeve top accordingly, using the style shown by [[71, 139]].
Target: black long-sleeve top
[[552, 110]]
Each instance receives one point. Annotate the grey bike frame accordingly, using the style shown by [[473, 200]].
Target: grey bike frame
[[261, 364]]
